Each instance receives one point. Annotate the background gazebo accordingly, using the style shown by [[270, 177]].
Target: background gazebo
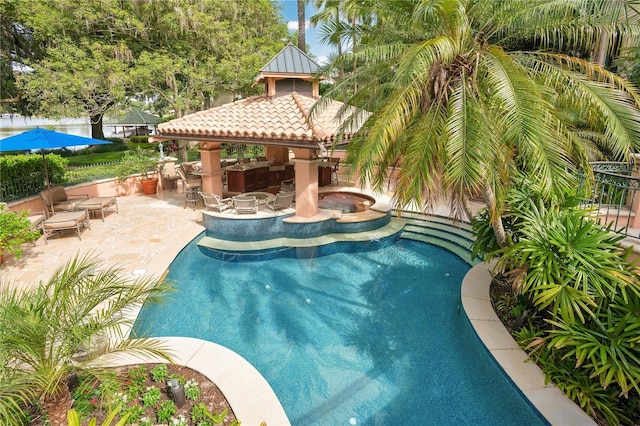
[[134, 123]]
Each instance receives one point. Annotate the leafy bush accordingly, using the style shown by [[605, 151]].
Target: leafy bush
[[159, 373], [20, 167], [191, 390], [199, 413], [579, 280], [15, 229], [166, 410], [151, 396], [139, 161], [139, 139]]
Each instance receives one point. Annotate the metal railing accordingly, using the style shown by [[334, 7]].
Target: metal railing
[[15, 189], [232, 150], [614, 196]]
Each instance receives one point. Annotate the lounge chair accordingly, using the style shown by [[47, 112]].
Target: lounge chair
[[61, 221], [245, 204], [56, 199], [282, 201], [37, 222], [213, 201]]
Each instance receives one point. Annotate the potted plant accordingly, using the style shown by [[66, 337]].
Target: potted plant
[[143, 163], [15, 229]]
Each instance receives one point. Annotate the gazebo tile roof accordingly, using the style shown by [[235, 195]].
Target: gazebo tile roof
[[281, 118]]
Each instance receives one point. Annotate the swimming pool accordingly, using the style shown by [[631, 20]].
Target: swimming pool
[[373, 337]]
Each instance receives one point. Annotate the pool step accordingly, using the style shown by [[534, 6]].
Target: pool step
[[443, 232], [267, 249]]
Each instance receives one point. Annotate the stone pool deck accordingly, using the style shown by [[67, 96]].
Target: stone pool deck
[[150, 231]]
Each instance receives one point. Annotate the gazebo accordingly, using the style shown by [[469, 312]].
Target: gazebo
[[280, 120], [134, 122]]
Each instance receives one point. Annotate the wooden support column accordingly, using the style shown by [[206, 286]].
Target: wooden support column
[[277, 154], [211, 171]]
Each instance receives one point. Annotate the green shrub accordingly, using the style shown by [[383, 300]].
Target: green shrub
[[20, 167], [166, 410], [139, 139], [159, 373], [15, 230], [151, 396], [199, 413], [191, 390]]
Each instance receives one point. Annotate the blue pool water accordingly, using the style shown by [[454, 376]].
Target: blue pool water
[[369, 338]]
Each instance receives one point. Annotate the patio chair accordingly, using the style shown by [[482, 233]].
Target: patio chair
[[170, 175], [334, 169], [213, 201], [282, 201], [56, 199], [245, 204], [69, 220], [288, 186]]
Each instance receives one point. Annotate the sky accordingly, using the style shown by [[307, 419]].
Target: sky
[[289, 9]]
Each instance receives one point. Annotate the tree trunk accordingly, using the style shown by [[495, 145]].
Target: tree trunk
[[57, 409], [302, 43], [96, 126], [494, 218], [182, 151]]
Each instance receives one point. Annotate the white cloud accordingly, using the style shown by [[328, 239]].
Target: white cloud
[[293, 25]]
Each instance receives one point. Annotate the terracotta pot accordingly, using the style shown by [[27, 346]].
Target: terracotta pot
[[149, 186]]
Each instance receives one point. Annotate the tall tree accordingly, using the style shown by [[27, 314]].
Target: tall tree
[[464, 92], [180, 54]]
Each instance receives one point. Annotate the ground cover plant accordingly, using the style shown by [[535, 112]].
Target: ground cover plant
[[569, 294], [137, 394]]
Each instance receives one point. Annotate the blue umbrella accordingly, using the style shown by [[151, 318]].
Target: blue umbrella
[[44, 139]]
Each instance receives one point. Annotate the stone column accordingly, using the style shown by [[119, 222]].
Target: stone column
[[211, 171], [306, 169]]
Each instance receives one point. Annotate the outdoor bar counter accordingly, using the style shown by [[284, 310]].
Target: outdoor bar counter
[[248, 177]]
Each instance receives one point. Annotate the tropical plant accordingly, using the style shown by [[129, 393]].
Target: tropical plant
[[566, 262], [463, 93], [74, 419], [578, 278], [15, 230], [73, 323], [138, 162]]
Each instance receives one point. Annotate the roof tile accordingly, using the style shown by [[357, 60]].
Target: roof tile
[[281, 118]]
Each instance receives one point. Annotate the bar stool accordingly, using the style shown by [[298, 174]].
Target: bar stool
[[191, 186]]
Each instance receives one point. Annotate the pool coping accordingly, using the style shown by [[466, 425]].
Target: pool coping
[[550, 401]]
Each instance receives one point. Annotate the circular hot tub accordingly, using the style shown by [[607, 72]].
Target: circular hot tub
[[346, 202]]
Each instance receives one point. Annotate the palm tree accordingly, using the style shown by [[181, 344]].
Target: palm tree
[[76, 322], [302, 26], [463, 93]]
